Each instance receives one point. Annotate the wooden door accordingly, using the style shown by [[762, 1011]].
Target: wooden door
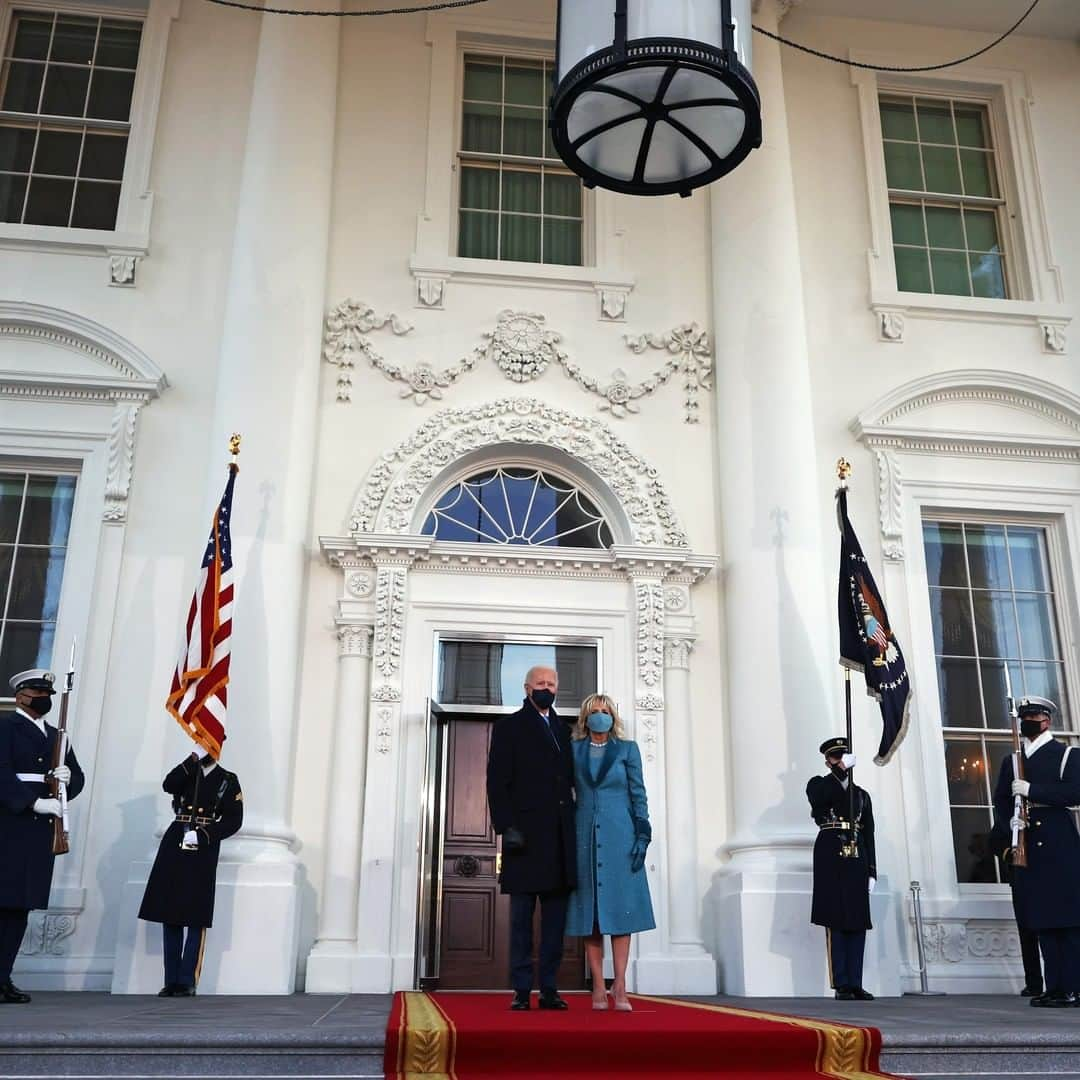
[[474, 942]]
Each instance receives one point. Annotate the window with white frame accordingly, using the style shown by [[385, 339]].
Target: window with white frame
[[945, 196], [35, 519], [66, 86], [516, 200], [993, 606]]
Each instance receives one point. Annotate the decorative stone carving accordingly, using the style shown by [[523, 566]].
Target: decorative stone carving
[[358, 584], [613, 300], [945, 941], [383, 692], [120, 459], [347, 327], [691, 356], [122, 270], [677, 652], [354, 640], [964, 941], [430, 290], [648, 734], [1053, 338], [650, 703], [46, 932], [891, 326], [383, 729], [388, 499], [676, 599], [521, 346], [890, 506], [389, 618], [650, 632]]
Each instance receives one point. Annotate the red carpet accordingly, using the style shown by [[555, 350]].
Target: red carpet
[[462, 1036]]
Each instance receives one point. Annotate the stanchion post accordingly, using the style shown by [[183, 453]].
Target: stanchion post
[[924, 988]]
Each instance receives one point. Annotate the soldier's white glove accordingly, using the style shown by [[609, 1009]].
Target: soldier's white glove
[[61, 773], [1017, 822], [1021, 787], [873, 883], [47, 806], [848, 761]]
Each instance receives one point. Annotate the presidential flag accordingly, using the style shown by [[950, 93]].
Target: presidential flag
[[198, 695], [867, 643]]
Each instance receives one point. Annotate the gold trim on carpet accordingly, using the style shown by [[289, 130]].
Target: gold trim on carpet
[[426, 1040], [843, 1050]]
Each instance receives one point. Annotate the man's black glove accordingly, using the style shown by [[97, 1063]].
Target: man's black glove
[[513, 841]]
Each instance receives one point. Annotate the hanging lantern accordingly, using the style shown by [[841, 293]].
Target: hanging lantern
[[654, 97]]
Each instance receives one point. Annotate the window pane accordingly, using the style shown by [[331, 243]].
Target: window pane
[[1037, 638], [35, 584], [935, 122], [562, 242], [958, 693], [103, 156], [525, 83], [12, 193], [898, 120], [118, 45], [65, 91], [562, 195], [520, 238], [480, 188], [110, 95], [988, 560], [16, 148], [521, 191], [23, 87], [96, 205], [912, 270], [49, 202], [73, 39], [950, 269], [483, 80], [971, 126], [907, 224], [981, 228], [942, 169], [995, 624], [480, 128], [47, 514], [1046, 680], [902, 167], [478, 235], [978, 173], [944, 227], [966, 772], [951, 612], [32, 37], [58, 152], [1027, 554], [523, 132], [944, 545], [6, 554], [975, 860], [987, 275], [27, 645], [995, 698]]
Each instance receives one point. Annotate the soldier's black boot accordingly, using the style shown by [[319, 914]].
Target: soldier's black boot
[[168, 990], [1031, 991], [844, 993], [859, 994], [10, 994], [183, 991], [1040, 1001]]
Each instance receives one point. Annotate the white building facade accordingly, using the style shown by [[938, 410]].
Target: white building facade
[[490, 418]]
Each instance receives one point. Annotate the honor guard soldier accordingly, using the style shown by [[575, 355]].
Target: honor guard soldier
[[845, 868], [27, 812], [1046, 892], [208, 807]]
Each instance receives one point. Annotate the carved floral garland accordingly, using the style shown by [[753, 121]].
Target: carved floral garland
[[523, 348]]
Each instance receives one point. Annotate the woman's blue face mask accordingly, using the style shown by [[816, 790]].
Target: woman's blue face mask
[[599, 722]]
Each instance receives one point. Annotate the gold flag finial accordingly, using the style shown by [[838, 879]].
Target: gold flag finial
[[234, 444], [843, 469]]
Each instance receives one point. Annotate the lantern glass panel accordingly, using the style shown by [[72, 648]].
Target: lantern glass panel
[[694, 20], [585, 27], [615, 156], [672, 155]]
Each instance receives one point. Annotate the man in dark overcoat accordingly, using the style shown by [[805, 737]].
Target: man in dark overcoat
[[530, 784], [27, 812], [1046, 892], [208, 807], [845, 868]]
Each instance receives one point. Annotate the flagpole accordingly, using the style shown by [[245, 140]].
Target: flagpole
[[851, 850]]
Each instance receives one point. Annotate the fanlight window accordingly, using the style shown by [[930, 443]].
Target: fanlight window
[[518, 506]]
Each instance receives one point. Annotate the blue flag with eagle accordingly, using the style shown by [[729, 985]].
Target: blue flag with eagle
[[867, 643]]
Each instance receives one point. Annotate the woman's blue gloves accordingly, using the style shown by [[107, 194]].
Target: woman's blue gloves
[[642, 836]]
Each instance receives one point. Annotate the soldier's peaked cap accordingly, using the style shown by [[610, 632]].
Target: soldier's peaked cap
[[34, 679], [839, 745], [1032, 706]]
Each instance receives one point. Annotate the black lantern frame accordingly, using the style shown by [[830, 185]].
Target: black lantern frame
[[675, 54]]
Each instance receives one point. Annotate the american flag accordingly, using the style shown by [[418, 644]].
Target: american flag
[[198, 695]]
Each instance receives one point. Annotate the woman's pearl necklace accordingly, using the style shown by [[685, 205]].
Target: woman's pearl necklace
[[593, 742]]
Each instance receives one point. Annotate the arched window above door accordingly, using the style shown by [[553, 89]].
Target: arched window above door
[[518, 505]]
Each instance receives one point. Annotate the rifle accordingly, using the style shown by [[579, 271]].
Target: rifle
[[1020, 809], [60, 842]]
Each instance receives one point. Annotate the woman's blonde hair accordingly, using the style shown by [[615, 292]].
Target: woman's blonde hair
[[595, 703]]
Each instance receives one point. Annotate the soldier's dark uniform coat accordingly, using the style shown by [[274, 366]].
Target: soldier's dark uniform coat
[[180, 890], [530, 782], [1047, 891], [26, 858], [841, 885]]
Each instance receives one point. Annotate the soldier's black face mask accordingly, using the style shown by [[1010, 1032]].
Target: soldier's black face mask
[[41, 705], [1031, 727], [543, 699]]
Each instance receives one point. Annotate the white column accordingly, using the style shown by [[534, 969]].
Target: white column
[[778, 627], [329, 964]]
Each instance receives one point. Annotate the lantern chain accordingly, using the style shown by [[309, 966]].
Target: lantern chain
[[441, 6]]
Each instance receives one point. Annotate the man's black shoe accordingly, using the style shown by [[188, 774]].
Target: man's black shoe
[[1064, 999], [10, 994], [167, 990], [1031, 991], [183, 991], [520, 1001], [549, 999], [843, 993], [859, 994], [1039, 1001]]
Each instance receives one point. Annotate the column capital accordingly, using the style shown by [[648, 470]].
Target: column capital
[[774, 10], [354, 639], [677, 652]]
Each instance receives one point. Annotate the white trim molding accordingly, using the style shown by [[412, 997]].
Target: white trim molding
[[1039, 300]]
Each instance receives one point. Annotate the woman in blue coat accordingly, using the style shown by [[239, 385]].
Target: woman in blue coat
[[613, 833]]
